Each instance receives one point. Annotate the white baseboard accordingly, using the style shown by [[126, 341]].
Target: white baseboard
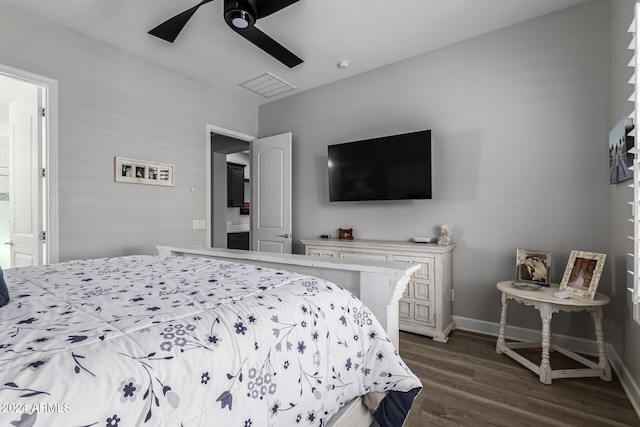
[[578, 345], [627, 381]]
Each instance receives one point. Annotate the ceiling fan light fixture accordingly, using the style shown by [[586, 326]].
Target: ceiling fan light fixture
[[240, 18]]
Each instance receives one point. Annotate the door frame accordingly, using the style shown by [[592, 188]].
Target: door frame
[[50, 150], [226, 132]]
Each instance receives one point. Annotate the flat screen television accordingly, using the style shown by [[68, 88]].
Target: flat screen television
[[396, 167]]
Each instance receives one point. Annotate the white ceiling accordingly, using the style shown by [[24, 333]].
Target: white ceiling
[[368, 33]]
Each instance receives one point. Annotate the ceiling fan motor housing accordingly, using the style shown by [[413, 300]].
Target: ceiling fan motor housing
[[240, 16], [240, 13]]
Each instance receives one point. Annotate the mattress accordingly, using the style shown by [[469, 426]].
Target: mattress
[[182, 341]]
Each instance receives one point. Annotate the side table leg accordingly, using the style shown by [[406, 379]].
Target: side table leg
[[503, 323], [545, 365], [603, 362]]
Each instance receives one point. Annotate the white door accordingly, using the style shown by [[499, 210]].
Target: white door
[[25, 189], [271, 194]]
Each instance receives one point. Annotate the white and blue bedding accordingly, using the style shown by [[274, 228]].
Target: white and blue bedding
[[179, 341]]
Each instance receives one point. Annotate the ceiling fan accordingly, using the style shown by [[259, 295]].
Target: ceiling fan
[[240, 15]]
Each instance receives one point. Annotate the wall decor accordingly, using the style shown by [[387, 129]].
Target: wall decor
[[583, 273], [143, 172], [620, 159], [533, 266]]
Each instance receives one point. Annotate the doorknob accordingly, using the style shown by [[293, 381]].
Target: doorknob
[[286, 236], [10, 243]]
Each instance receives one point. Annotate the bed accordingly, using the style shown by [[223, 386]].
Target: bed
[[190, 341]]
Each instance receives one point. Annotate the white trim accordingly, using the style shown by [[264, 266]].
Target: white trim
[[635, 215], [626, 379], [578, 345], [228, 132], [221, 131], [50, 87]]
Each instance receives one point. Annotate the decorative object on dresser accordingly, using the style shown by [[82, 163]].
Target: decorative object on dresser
[[425, 307], [422, 239], [445, 237], [533, 266], [583, 273], [345, 233]]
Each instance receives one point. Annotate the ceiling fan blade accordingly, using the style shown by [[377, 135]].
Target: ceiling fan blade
[[170, 28], [267, 7], [269, 45]]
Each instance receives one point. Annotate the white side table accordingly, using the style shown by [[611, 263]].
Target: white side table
[[543, 300]]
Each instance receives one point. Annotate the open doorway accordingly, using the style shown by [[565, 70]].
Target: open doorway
[[239, 200], [231, 195], [269, 175], [28, 163], [223, 147]]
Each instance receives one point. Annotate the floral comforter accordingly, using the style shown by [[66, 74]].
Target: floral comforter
[[179, 341]]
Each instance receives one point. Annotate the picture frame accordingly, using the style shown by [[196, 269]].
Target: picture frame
[[135, 171], [621, 141], [582, 274], [533, 266], [345, 233]]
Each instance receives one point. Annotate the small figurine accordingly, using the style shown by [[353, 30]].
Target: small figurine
[[345, 233], [444, 238]]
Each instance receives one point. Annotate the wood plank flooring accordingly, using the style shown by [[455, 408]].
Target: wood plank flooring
[[466, 383]]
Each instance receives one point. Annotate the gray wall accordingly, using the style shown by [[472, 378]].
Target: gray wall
[[114, 104], [624, 334], [520, 120]]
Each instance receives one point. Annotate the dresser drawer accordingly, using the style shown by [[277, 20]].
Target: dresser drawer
[[364, 255], [322, 252], [426, 268]]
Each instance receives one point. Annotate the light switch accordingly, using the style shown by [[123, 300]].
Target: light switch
[[198, 224]]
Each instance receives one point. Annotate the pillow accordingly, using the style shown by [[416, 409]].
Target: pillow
[[4, 292]]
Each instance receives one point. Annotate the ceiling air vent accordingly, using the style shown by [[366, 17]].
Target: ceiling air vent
[[267, 85]]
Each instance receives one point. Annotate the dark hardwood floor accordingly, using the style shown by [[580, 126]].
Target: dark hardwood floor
[[466, 383]]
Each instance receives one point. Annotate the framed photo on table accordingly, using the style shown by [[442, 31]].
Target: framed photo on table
[[533, 266], [583, 273]]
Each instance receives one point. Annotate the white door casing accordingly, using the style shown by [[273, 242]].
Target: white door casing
[[271, 229], [25, 189], [49, 150]]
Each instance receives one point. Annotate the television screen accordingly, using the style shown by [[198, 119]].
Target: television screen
[[396, 167]]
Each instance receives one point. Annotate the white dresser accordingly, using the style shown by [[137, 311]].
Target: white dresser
[[425, 307]]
